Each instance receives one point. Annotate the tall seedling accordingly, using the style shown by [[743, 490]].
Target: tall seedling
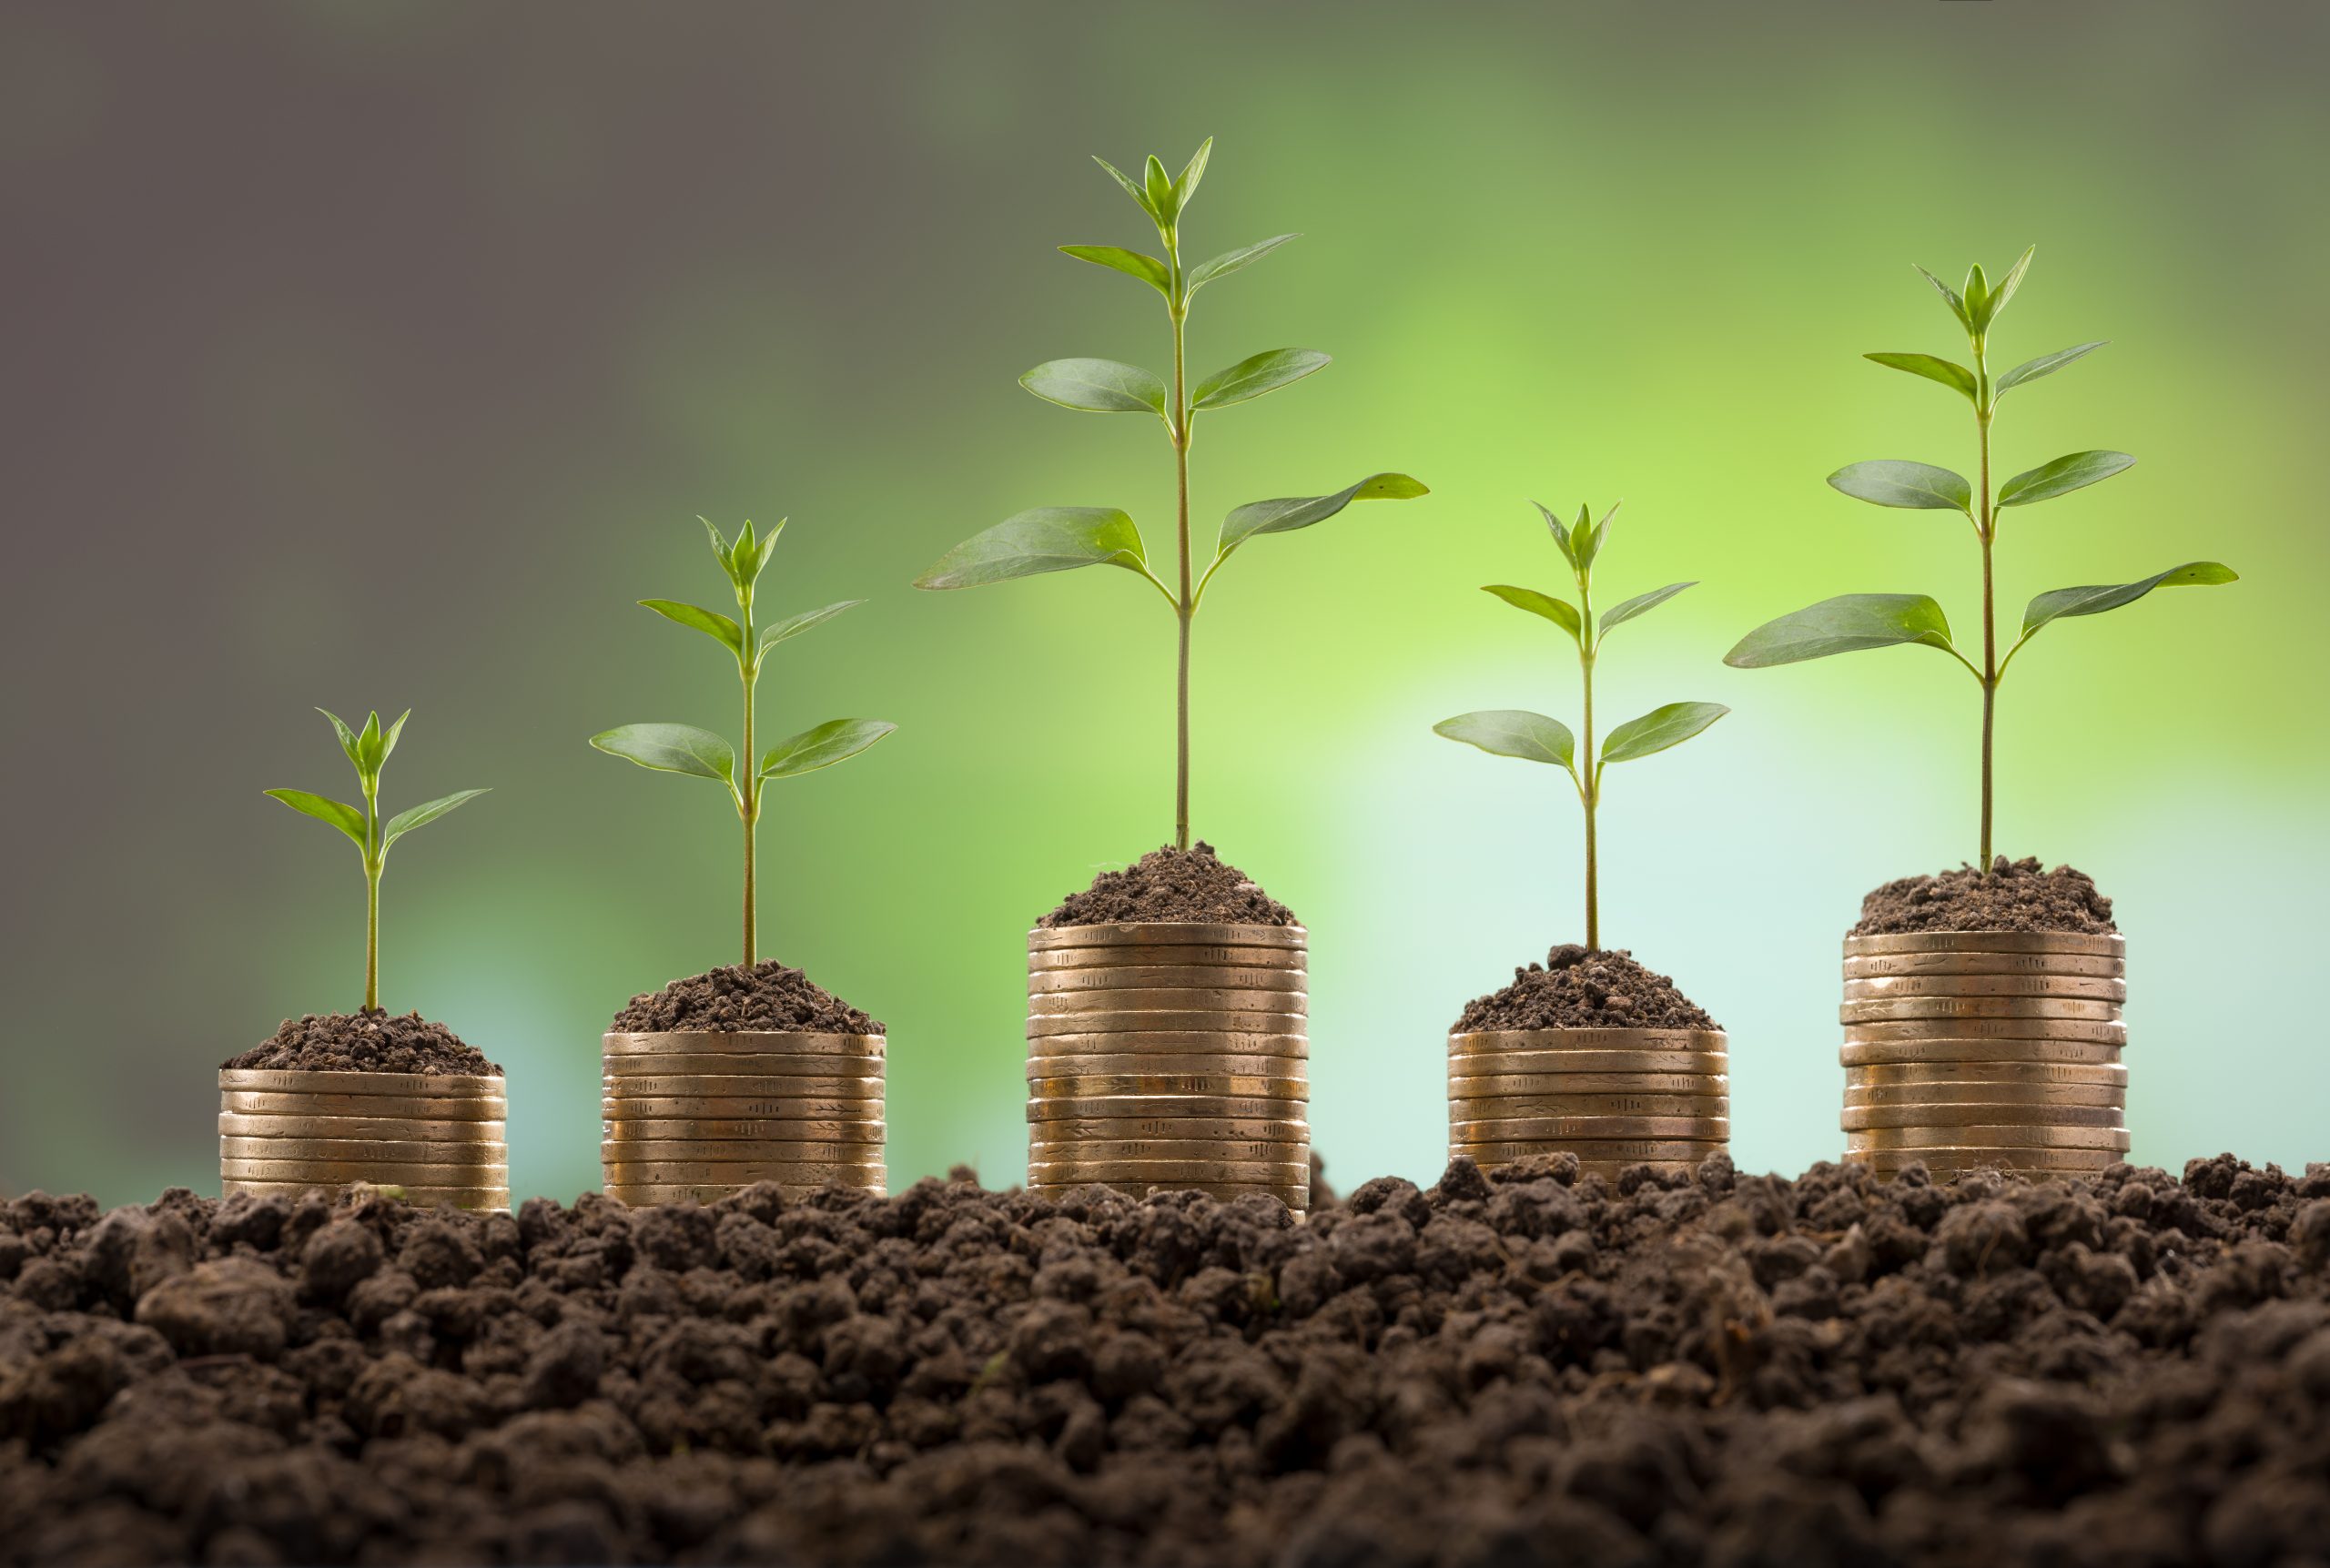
[[1061, 538], [685, 749], [1857, 621], [1534, 738], [367, 751]]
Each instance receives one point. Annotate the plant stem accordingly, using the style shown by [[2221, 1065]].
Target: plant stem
[[1185, 608], [1591, 790], [1986, 527], [748, 802], [373, 850]]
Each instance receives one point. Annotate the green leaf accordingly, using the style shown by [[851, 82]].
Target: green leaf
[[1889, 481], [1845, 624], [711, 622], [389, 741], [1948, 372], [1560, 612], [2062, 476], [1618, 614], [1159, 187], [1097, 386], [1998, 297], [673, 749], [1132, 190], [1250, 378], [1131, 263], [2045, 365], [1191, 172], [1585, 540], [1049, 538], [759, 562], [1950, 295], [835, 741], [345, 818], [348, 741], [1560, 530], [1286, 515], [404, 821], [1977, 296], [1231, 261], [2096, 600], [368, 744], [1659, 728], [742, 551], [720, 551], [794, 625], [1514, 733]]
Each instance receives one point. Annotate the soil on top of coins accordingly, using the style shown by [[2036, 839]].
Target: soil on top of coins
[[1169, 883], [1580, 988], [2017, 895], [762, 996], [1508, 1367], [366, 1042]]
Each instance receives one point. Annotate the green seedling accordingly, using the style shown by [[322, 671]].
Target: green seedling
[[368, 749], [700, 754], [1061, 538], [1857, 621], [1534, 738]]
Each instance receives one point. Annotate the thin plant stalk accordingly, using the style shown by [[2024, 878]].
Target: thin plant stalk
[[748, 793], [1185, 606], [1986, 527], [1589, 788]]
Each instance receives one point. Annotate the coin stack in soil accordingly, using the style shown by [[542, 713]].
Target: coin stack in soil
[[693, 1115], [1985, 1048], [1614, 1097], [1165, 1055], [441, 1138]]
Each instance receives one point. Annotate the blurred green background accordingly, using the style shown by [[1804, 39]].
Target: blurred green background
[[368, 355]]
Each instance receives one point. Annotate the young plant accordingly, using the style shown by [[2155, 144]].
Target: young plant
[[1061, 538], [685, 749], [1534, 738], [368, 749], [1857, 621]]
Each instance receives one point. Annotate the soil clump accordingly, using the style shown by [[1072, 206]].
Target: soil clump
[[1170, 884], [1577, 987], [762, 996], [1512, 1365], [2016, 896], [373, 1042]]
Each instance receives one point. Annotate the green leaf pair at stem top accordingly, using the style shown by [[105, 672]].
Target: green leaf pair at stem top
[[368, 752], [1534, 737], [685, 749], [1063, 538], [1857, 621]]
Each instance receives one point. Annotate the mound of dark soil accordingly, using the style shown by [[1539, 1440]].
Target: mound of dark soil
[[2016, 896], [1171, 884], [1580, 988], [1504, 1368], [764, 996], [374, 1042]]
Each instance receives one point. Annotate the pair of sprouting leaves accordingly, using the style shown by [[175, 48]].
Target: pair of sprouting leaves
[[1535, 737], [1853, 622], [368, 752], [700, 754]]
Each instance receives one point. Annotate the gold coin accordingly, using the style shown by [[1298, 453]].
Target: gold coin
[[1294, 1047], [1870, 1075], [702, 1173], [1046, 1020], [1146, 1064], [1900, 1051], [1904, 1009], [727, 1107], [1622, 1151], [1264, 1087], [1166, 932], [647, 1194], [627, 1068], [1858, 1117], [1181, 1172], [1879, 966], [781, 1127], [1989, 1136], [420, 1197], [364, 1151], [1110, 1151], [235, 1124], [2072, 942], [1168, 955], [1502, 1042], [1486, 1084], [321, 1172], [1904, 988], [1074, 1107], [260, 1102], [733, 1085], [1980, 1093], [633, 1149], [1178, 977], [1510, 1063], [1244, 1128], [1557, 1129], [401, 1087], [2114, 1033], [1479, 1107], [1295, 1195], [2012, 1161], [745, 1042]]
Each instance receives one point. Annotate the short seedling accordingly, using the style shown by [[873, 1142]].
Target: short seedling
[[685, 749], [1534, 738], [1059, 537], [368, 749], [1857, 621]]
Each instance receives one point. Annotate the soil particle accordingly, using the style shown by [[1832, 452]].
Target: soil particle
[[1655, 1371], [373, 1042], [1580, 988], [2016, 896], [1169, 884], [762, 996]]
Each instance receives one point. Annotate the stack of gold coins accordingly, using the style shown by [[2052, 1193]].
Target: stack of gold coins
[[1614, 1097], [1967, 1050], [437, 1139], [690, 1114], [1165, 1055]]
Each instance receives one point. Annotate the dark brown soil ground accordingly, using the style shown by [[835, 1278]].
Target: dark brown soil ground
[[2016, 896], [365, 1043], [1578, 989], [768, 996], [1171, 884], [1502, 1370]]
